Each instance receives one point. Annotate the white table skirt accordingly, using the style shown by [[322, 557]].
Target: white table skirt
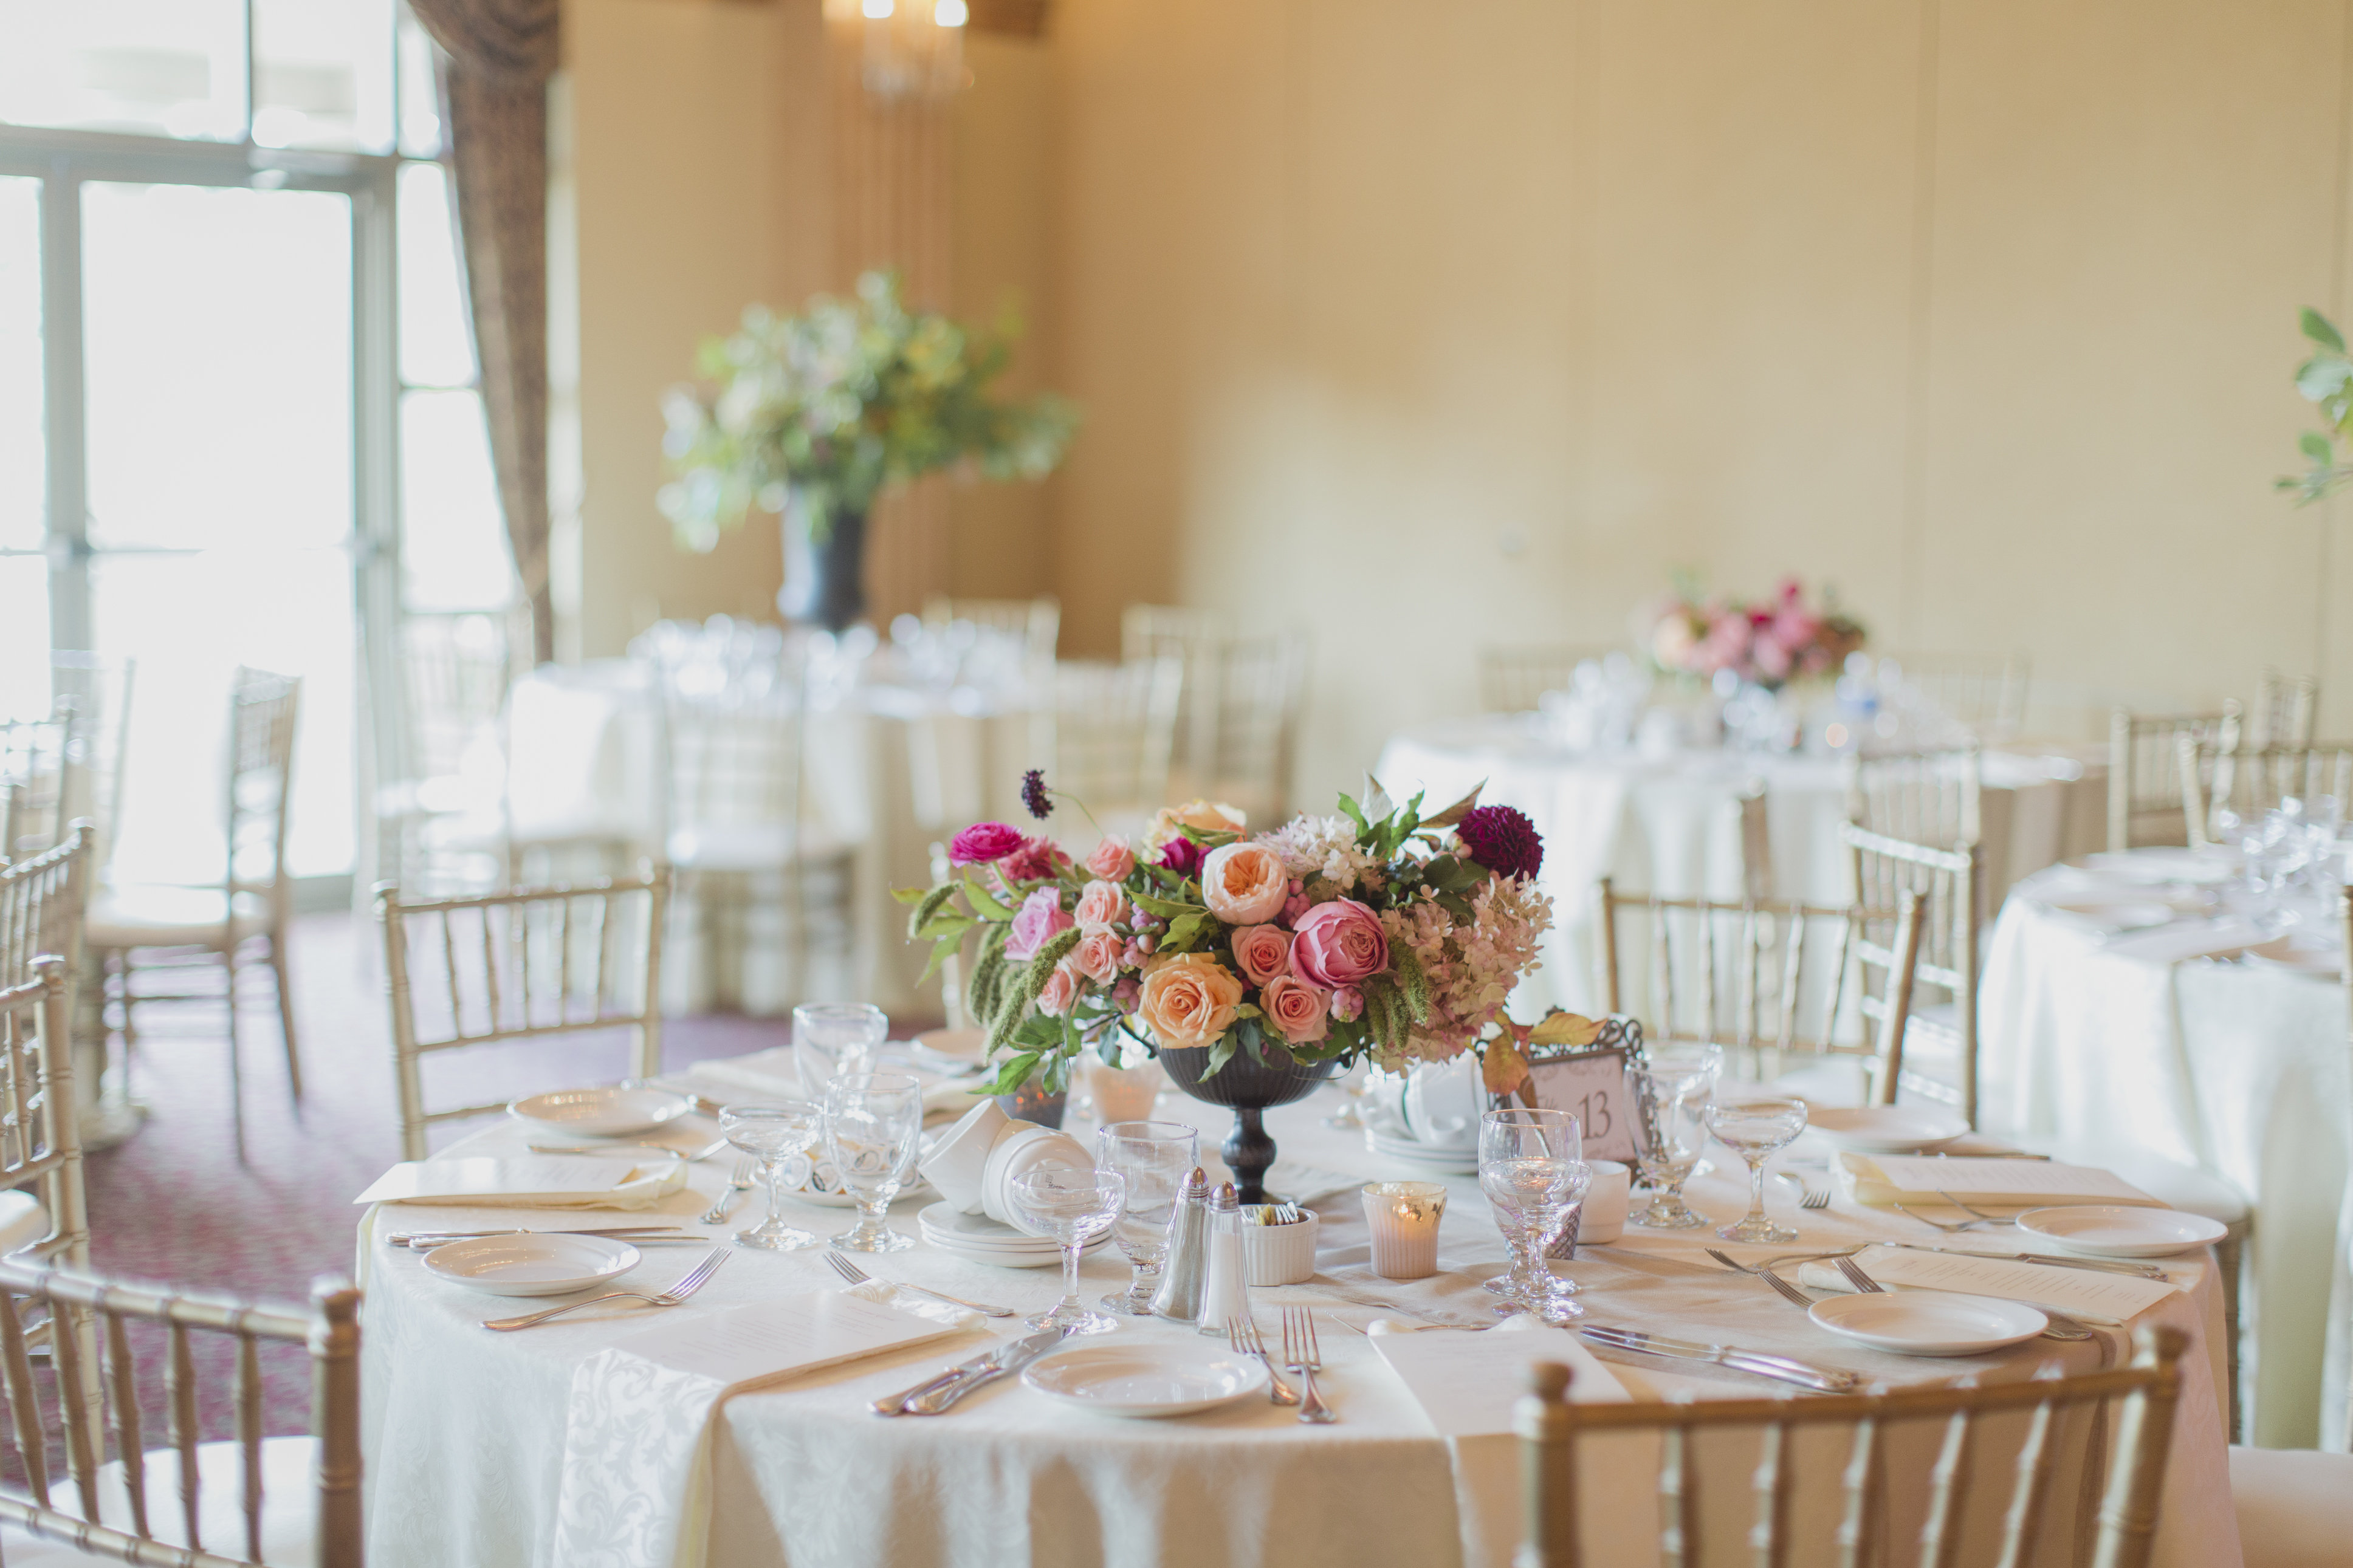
[[465, 1428], [2239, 1070]]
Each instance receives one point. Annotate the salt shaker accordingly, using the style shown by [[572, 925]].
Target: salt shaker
[[1225, 1295], [1179, 1296]]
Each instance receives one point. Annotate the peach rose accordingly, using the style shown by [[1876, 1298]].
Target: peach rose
[[1262, 953], [1296, 1009], [1112, 859], [1188, 999], [1098, 954], [1100, 904], [1201, 814], [1244, 884], [1060, 990]]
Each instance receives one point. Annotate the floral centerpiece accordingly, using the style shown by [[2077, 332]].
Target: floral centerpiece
[[1767, 643]]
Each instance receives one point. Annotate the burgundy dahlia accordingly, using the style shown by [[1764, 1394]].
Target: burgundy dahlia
[[1503, 839], [1036, 860], [1033, 793], [1182, 856]]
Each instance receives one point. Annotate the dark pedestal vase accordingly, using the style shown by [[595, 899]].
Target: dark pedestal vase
[[826, 583], [1250, 1089]]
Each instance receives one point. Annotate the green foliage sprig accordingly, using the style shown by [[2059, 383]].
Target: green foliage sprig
[[2327, 380]]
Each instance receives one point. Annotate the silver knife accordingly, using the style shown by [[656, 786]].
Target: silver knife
[[933, 1397], [689, 1155], [1778, 1367], [2099, 1265], [626, 1232]]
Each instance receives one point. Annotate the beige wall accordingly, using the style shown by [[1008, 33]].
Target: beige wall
[[1423, 325]]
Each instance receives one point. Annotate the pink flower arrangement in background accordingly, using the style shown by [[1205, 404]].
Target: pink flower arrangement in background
[[1768, 643]]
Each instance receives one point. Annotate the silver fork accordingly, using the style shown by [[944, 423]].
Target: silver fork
[[1947, 1225], [695, 1279], [1808, 1197], [857, 1276], [1795, 1295], [737, 1184], [1301, 1356], [1243, 1335], [2061, 1326], [1977, 1214]]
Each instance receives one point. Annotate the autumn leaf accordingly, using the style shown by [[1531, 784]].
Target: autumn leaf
[[1564, 1029], [1502, 1065]]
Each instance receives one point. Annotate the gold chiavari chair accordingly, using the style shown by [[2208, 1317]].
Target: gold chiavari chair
[[1551, 1430], [1514, 676], [1940, 1054], [41, 904], [248, 1501], [1038, 622], [2283, 711], [2144, 772], [42, 1211], [1768, 978], [2249, 783], [454, 672], [38, 764], [1986, 691], [1254, 705], [528, 964], [1925, 797], [1109, 733]]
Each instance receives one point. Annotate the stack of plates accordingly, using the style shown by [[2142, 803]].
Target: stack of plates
[[1886, 1129], [977, 1238], [1458, 1159]]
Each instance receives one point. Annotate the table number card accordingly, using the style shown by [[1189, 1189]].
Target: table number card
[[1590, 1082]]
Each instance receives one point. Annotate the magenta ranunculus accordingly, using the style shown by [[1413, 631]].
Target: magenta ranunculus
[[983, 842], [1339, 943], [1182, 856], [1298, 1012], [1262, 953], [1040, 915]]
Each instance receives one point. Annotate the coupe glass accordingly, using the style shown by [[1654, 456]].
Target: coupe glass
[[873, 1129], [1077, 1206], [835, 1037], [1531, 1168], [1672, 1095], [1154, 1158], [1754, 1129], [772, 1135]]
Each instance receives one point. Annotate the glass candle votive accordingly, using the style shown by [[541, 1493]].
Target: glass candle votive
[[1403, 1216]]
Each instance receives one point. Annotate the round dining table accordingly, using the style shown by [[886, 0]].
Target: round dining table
[[477, 1442]]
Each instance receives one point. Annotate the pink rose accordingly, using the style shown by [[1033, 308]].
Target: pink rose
[[1100, 904], [1035, 923], [1060, 990], [983, 842], [1112, 859], [1338, 943], [1262, 953], [1348, 1004], [1244, 884], [1098, 954], [1033, 861], [1296, 1010]]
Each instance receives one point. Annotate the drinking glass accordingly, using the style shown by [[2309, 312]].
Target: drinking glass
[[1353, 1085], [1532, 1169], [873, 1129], [1754, 1129], [1671, 1096], [1152, 1158], [833, 1038], [772, 1135], [1076, 1206]]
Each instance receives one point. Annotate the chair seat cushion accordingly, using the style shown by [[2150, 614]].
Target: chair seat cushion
[[290, 1507], [22, 1221], [151, 915], [2295, 1506]]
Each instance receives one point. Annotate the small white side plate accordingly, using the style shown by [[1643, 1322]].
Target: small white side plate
[[601, 1112], [2114, 916], [2109, 1231], [950, 1048], [1886, 1129], [533, 1265], [1930, 1322], [1457, 1161], [1147, 1378]]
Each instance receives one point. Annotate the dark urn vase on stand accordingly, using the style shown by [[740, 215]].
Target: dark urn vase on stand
[[1251, 1089], [824, 582]]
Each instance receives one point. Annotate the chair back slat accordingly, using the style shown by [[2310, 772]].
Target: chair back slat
[[1864, 1489], [1769, 1535], [1948, 1494], [41, 904], [81, 1417], [130, 1442], [1678, 1498], [2220, 777], [2144, 772], [1986, 691], [2021, 1525], [24, 1407], [1944, 883], [180, 1389], [249, 1437]]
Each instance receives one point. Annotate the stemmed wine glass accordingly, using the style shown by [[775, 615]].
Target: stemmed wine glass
[[1154, 1158], [1673, 1093], [1531, 1169], [834, 1038], [1076, 1206], [1754, 1129], [772, 1135], [873, 1129]]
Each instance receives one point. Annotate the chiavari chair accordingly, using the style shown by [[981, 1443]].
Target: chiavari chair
[[2144, 772], [2283, 711], [41, 904], [1767, 978], [1986, 691], [1254, 700], [1109, 730], [455, 671], [98, 690], [2143, 1395], [2249, 783], [1037, 622], [42, 1211], [154, 928], [1513, 677], [526, 963], [1940, 1059], [1927, 797], [38, 763], [247, 1501], [1197, 639]]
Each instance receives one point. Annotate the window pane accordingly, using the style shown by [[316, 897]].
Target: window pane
[[420, 96], [453, 543], [24, 636], [163, 67], [323, 74], [218, 340], [435, 347], [23, 457]]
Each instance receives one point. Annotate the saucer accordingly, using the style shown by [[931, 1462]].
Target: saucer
[[601, 1112], [533, 1265], [1147, 1378], [1886, 1129], [1930, 1322]]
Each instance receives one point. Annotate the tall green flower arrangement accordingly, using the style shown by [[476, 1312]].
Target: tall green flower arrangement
[[835, 404]]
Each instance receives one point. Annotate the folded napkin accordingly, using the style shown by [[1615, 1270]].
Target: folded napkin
[[529, 1182], [1917, 1180], [775, 1074], [2187, 940]]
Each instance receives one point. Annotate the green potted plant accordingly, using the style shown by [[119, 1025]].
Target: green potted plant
[[812, 416]]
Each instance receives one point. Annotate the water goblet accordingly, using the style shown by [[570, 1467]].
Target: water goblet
[[773, 1133], [1076, 1206], [834, 1038], [873, 1129], [1154, 1158], [1532, 1169], [1754, 1129], [1673, 1094]]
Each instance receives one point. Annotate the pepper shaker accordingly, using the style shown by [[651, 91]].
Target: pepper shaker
[[1181, 1278]]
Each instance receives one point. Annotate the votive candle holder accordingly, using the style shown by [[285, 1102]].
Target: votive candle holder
[[1403, 1216]]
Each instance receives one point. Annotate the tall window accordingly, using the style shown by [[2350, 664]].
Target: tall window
[[239, 420]]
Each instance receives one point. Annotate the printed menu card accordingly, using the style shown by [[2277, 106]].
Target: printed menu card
[[2014, 1183]]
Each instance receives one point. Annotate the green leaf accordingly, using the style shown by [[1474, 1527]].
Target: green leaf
[[1355, 814], [1183, 934], [2323, 377], [1458, 811], [1166, 908], [1014, 1073], [984, 903], [2315, 445], [912, 895], [1038, 1029], [942, 951], [2318, 329], [1221, 1051]]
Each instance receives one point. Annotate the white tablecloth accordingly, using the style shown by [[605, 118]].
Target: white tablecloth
[[2241, 1069], [1672, 823], [465, 1429]]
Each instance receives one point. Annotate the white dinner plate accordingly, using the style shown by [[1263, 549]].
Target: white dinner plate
[[2118, 915], [533, 1265], [1458, 1162], [601, 1112], [1885, 1129], [951, 1048], [1146, 1377], [1930, 1322], [2167, 865], [2113, 1230]]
